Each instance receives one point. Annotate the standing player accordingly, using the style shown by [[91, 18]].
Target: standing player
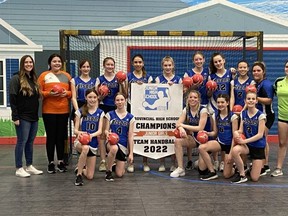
[[252, 125], [89, 119], [226, 123], [168, 77], [107, 102], [281, 90], [121, 122], [265, 93], [139, 76]]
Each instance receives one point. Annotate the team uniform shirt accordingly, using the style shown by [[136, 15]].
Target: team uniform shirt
[[133, 79], [81, 87], [90, 124], [202, 87], [223, 87], [225, 133], [239, 90], [265, 89], [250, 127], [121, 127], [281, 90], [162, 79], [113, 86]]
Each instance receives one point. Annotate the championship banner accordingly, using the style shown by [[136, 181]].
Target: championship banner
[[156, 108]]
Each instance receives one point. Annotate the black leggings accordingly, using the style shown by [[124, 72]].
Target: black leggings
[[56, 134]]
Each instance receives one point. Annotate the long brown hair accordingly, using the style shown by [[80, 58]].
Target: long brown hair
[[84, 108], [24, 84]]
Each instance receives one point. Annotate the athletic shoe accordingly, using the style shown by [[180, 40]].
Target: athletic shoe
[[51, 168], [216, 165], [109, 176], [267, 168], [239, 179], [79, 180], [189, 165], [130, 168], [32, 170], [146, 168], [61, 167], [162, 168], [102, 166], [172, 168], [22, 173], [209, 176], [221, 166], [195, 164], [277, 172], [178, 172], [263, 172]]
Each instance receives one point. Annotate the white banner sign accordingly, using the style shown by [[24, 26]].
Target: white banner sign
[[156, 108]]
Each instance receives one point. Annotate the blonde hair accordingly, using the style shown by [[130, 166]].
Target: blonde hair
[[168, 58], [187, 104]]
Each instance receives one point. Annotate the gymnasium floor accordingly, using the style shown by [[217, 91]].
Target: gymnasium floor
[[139, 194]]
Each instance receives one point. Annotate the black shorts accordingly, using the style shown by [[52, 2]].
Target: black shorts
[[256, 153], [270, 120], [120, 155], [90, 153], [284, 121], [225, 148], [106, 108]]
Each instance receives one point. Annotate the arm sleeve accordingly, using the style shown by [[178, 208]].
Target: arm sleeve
[[14, 89]]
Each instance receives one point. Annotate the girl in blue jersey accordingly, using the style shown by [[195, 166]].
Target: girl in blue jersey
[[107, 102], [139, 76], [168, 77], [88, 119], [238, 85], [265, 94], [252, 125], [226, 122], [80, 84], [121, 122], [192, 119]]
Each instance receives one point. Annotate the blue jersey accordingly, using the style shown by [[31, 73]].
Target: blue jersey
[[113, 86], [250, 127], [225, 133], [162, 79], [120, 126], [81, 87], [239, 91], [194, 120], [202, 87], [223, 87], [265, 89], [90, 124]]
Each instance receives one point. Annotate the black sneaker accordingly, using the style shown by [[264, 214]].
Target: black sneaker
[[79, 180], [189, 165], [267, 168], [51, 168], [263, 172], [209, 176], [239, 179], [61, 167], [109, 176]]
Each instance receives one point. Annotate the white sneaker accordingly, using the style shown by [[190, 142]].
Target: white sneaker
[[277, 172], [178, 172], [130, 168], [221, 166], [146, 168], [22, 173], [102, 166], [32, 170], [216, 165], [172, 168], [162, 168]]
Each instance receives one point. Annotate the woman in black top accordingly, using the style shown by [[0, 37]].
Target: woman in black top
[[24, 102]]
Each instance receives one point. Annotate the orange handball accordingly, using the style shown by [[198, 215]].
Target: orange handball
[[211, 85], [104, 90], [237, 108], [242, 137], [84, 138], [121, 76], [250, 88], [187, 82], [113, 138], [57, 88], [197, 78], [177, 133], [202, 137]]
